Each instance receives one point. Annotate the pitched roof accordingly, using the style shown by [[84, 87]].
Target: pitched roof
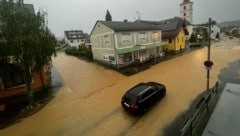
[[74, 34], [170, 27], [129, 26]]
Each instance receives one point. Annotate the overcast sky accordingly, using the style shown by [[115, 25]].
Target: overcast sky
[[82, 14]]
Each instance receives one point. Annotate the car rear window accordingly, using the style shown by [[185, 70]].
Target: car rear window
[[130, 98]]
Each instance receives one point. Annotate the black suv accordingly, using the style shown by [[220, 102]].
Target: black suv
[[140, 97]]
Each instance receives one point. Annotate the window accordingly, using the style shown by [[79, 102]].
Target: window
[[108, 57], [155, 36], [142, 37], [95, 40], [124, 58], [132, 99], [126, 38], [13, 77], [184, 14], [106, 40], [111, 58], [184, 7], [71, 41]]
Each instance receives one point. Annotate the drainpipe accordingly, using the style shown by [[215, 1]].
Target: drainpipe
[[115, 49]]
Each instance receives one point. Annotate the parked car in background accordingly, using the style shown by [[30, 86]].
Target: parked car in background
[[142, 96]]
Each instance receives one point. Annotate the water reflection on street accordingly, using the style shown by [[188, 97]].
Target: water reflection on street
[[88, 103]]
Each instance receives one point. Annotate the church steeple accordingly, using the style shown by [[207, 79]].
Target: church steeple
[[186, 10]]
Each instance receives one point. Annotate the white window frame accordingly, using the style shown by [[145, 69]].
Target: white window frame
[[106, 40], [142, 37], [157, 34], [126, 38]]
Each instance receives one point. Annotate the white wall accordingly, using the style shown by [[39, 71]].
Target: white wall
[[215, 29]]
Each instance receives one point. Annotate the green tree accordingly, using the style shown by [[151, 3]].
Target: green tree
[[217, 35], [108, 16], [193, 38], [27, 38]]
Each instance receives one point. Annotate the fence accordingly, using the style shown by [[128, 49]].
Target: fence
[[201, 107]]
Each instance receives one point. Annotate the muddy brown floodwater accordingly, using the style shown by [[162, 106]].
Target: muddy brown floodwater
[[89, 101]]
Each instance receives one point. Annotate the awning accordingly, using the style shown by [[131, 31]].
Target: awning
[[137, 48]]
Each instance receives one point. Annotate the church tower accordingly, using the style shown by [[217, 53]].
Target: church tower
[[186, 10]]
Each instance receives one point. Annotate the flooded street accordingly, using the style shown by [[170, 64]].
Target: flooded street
[[88, 103]]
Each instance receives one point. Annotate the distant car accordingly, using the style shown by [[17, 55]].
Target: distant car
[[139, 98]]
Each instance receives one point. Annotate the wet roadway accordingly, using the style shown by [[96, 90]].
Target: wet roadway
[[88, 103]]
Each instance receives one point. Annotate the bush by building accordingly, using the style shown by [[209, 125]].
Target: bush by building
[[79, 52]]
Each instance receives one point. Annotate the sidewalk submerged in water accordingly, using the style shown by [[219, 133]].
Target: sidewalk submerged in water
[[12, 113], [228, 74]]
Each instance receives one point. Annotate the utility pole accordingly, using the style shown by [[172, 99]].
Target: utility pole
[[208, 63]]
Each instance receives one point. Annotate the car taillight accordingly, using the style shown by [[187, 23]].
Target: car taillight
[[134, 106]]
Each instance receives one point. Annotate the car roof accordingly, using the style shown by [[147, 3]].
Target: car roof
[[139, 89]]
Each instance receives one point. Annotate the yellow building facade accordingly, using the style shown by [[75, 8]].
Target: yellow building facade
[[174, 32], [175, 43]]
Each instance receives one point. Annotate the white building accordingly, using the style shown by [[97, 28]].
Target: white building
[[186, 10], [123, 43], [74, 38], [215, 29]]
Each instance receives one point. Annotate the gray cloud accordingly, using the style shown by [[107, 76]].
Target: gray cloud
[[82, 14]]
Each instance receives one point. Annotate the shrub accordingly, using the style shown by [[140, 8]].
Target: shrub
[[193, 38], [217, 36], [80, 52], [72, 51]]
